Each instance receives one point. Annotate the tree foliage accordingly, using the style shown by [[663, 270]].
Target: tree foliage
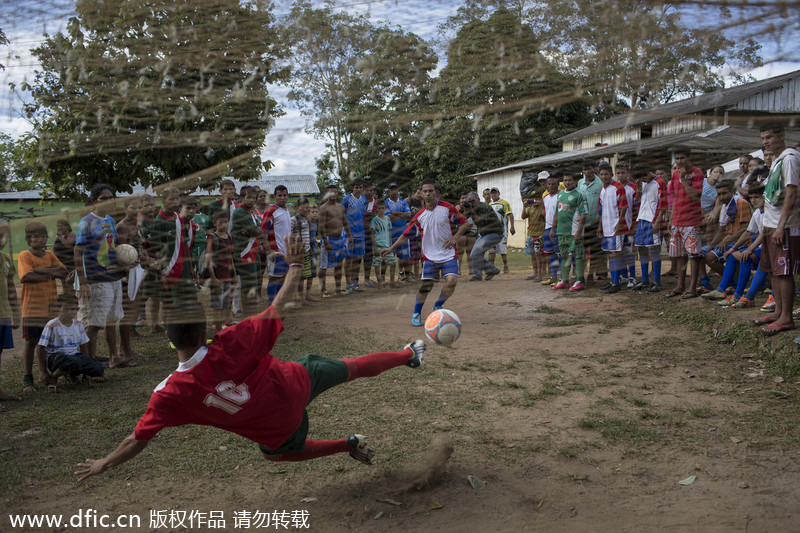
[[152, 90], [18, 168], [497, 101], [360, 82]]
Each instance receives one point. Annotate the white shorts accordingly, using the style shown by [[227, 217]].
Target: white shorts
[[104, 306], [502, 248]]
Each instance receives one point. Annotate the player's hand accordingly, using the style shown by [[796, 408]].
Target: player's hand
[[294, 249], [217, 284], [743, 256], [552, 234], [777, 236], [450, 243], [512, 231], [15, 322], [89, 468]]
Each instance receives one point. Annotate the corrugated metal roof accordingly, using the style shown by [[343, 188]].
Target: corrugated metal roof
[[696, 104], [720, 139]]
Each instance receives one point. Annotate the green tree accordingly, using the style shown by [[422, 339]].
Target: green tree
[[497, 101], [18, 168], [359, 82], [152, 90]]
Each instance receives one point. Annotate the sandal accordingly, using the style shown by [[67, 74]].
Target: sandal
[[672, 294], [774, 329], [689, 295], [762, 321], [11, 398]]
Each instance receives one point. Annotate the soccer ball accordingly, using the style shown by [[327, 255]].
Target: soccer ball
[[127, 255], [443, 327]]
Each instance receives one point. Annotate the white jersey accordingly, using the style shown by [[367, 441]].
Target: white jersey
[[612, 198], [756, 223], [649, 202], [436, 228], [550, 208], [785, 171], [283, 227]]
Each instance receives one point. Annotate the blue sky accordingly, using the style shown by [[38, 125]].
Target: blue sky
[[290, 148]]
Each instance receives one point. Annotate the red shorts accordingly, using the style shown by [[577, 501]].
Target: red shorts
[[781, 260]]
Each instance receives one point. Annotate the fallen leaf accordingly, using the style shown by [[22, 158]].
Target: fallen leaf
[[687, 481], [435, 505], [389, 501], [308, 499], [778, 379], [476, 482], [378, 516], [736, 440]]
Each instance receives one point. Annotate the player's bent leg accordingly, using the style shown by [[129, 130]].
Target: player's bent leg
[[371, 365], [311, 450]]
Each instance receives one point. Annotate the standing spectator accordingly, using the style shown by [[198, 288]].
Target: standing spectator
[[623, 175], [414, 239], [276, 226], [355, 209], [487, 196], [150, 284], [533, 212], [571, 219], [613, 208], [37, 268], [550, 246], [399, 214], [435, 221], [650, 222], [686, 220], [64, 245], [590, 186], [9, 307], [332, 227], [221, 270], [128, 233], [381, 235], [490, 232], [780, 252], [246, 235], [503, 210], [99, 276], [262, 203], [226, 202], [313, 233], [301, 228], [467, 241], [372, 207]]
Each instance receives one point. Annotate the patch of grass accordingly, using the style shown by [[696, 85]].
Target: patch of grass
[[618, 429], [510, 304], [580, 478], [664, 419], [548, 310], [554, 334], [563, 322], [700, 412], [512, 385]]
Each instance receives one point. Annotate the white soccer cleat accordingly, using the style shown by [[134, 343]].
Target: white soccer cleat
[[418, 348], [361, 452]]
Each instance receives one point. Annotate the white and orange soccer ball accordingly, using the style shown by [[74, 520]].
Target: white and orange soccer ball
[[443, 327], [127, 255]]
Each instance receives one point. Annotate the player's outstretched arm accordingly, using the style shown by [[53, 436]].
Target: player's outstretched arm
[[127, 449], [294, 258]]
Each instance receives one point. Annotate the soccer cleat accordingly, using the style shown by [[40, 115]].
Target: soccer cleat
[[607, 286], [770, 305], [475, 278], [577, 286], [655, 287], [639, 286], [325, 294], [613, 289], [356, 288], [729, 300], [743, 303], [561, 285], [714, 295], [418, 348], [437, 307], [360, 451], [547, 281], [631, 283], [369, 283], [416, 319], [493, 273]]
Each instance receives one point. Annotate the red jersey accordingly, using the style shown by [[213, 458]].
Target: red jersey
[[685, 211], [234, 384]]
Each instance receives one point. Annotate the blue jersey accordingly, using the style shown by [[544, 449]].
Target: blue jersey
[[354, 210], [399, 225], [99, 236]]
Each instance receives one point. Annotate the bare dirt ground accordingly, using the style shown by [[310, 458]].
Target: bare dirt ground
[[567, 412]]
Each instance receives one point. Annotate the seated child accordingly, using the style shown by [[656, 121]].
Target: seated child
[[60, 346]]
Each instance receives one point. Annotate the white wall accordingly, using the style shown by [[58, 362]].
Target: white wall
[[508, 183]]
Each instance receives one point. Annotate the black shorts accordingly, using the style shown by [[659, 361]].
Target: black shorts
[[32, 328]]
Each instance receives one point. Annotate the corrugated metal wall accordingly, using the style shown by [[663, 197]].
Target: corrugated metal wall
[[785, 99], [508, 183]]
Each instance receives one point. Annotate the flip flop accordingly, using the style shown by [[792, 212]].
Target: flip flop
[[774, 329], [11, 398], [762, 321], [689, 295], [672, 294], [3, 408], [127, 363]]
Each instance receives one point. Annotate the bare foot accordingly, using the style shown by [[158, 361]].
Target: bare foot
[[28, 389], [87, 380]]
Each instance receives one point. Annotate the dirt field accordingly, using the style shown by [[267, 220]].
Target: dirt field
[[563, 413]]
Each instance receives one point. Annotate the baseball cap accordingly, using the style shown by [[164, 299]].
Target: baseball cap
[[393, 185], [494, 189], [543, 175]]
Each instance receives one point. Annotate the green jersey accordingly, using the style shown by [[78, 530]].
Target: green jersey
[[571, 205]]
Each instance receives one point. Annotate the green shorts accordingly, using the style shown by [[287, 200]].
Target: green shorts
[[249, 274], [568, 246], [324, 374]]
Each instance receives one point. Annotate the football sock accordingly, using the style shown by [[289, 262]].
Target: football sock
[[441, 300], [312, 450], [553, 266], [613, 266], [728, 273], [645, 271], [372, 364], [632, 269], [758, 281], [418, 305], [655, 258], [272, 290], [579, 266]]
